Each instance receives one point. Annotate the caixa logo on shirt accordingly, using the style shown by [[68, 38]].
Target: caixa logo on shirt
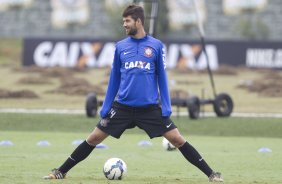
[[137, 64]]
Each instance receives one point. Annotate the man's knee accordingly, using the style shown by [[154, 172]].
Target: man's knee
[[177, 141], [96, 137], [175, 138]]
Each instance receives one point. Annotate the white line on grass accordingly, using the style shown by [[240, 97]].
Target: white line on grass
[[42, 111], [80, 111]]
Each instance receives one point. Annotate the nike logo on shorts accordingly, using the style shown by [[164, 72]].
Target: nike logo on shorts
[[167, 126]]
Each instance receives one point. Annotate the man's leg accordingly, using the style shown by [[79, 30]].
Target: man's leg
[[79, 154], [191, 154]]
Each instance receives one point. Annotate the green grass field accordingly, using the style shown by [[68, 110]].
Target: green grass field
[[229, 145]]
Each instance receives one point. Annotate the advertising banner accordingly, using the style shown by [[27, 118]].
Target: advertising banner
[[99, 53]]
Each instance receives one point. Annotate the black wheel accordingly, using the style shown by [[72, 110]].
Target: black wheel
[[193, 106], [223, 105], [91, 105]]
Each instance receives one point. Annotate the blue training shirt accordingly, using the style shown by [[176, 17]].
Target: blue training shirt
[[138, 77]]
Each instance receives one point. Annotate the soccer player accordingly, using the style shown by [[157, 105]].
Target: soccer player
[[138, 82]]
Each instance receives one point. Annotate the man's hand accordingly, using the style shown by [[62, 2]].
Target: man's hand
[[104, 122]]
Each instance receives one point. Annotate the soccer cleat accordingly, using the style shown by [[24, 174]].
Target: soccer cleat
[[55, 174], [215, 177]]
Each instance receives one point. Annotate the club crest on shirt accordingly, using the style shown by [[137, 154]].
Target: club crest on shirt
[[148, 52]]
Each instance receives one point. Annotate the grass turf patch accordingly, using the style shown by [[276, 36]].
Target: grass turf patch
[[236, 157], [229, 145], [233, 126]]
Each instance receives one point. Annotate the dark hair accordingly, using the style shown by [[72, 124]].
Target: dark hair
[[135, 12]]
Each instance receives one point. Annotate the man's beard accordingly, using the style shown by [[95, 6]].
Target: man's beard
[[132, 31]]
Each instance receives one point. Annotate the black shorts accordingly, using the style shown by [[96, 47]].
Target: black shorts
[[122, 117]]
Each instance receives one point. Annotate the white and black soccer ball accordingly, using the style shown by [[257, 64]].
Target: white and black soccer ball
[[114, 169], [167, 145]]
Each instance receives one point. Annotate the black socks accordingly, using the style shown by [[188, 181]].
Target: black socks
[[79, 154], [192, 155], [187, 150]]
